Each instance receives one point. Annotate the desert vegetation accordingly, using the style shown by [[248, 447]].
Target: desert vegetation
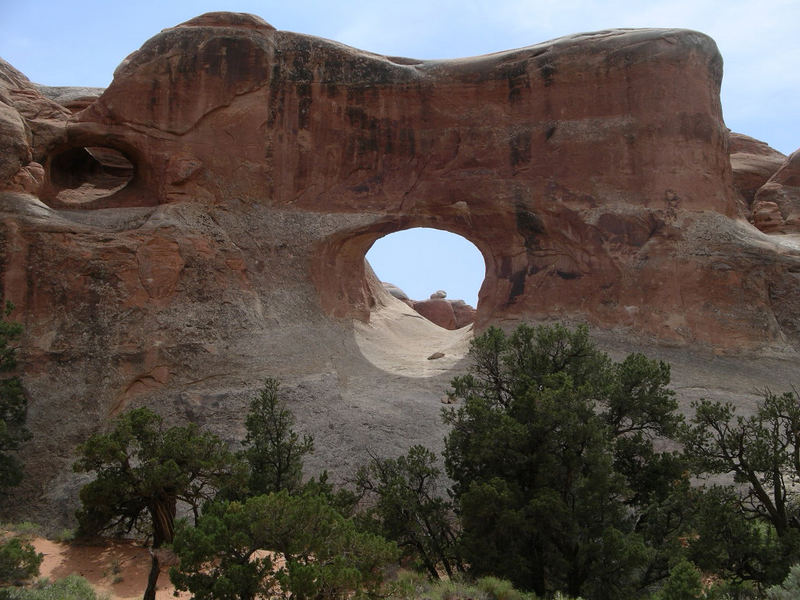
[[565, 474]]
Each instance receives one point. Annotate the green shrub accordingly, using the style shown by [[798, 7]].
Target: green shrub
[[72, 587], [19, 561], [413, 585], [64, 536], [684, 583], [789, 589], [556, 476], [325, 556], [455, 590], [408, 584], [498, 589], [23, 528]]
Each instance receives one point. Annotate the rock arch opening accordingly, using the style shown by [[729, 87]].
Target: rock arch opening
[[390, 334], [434, 271], [85, 174]]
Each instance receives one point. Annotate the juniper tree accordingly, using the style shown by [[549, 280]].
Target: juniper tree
[[555, 474], [143, 469]]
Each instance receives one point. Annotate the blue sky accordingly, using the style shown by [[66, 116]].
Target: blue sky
[[65, 43]]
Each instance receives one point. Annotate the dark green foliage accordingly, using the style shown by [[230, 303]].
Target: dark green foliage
[[556, 478], [407, 509], [340, 499], [316, 553], [72, 587], [762, 510], [499, 589], [789, 589], [761, 451], [411, 585], [19, 561], [684, 583], [725, 542], [273, 449], [13, 405], [143, 469]]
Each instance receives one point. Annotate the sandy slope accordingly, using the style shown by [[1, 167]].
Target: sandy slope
[[118, 568], [400, 341]]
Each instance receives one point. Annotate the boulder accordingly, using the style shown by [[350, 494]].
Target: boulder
[[438, 311], [776, 208], [753, 162], [463, 312], [395, 291]]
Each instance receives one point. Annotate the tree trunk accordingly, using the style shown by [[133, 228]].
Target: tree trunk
[[152, 578], [162, 514]]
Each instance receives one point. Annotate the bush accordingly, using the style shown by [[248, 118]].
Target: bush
[[19, 561], [323, 555], [408, 584], [789, 589], [412, 585], [455, 590], [684, 583], [500, 589], [24, 528], [408, 509], [72, 587]]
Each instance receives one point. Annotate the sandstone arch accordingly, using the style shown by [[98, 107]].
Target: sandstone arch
[[591, 171], [436, 272], [567, 163], [338, 268]]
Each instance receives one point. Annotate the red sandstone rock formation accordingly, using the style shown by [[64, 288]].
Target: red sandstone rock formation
[[591, 171], [29, 125], [776, 207], [450, 314], [74, 99], [753, 162], [437, 310], [463, 312]]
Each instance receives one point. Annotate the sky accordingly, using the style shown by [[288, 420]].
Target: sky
[[80, 44]]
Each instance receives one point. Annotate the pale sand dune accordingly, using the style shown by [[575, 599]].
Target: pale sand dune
[[399, 340]]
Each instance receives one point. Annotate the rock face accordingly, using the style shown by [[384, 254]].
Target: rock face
[[437, 310], [776, 207], [463, 312], [395, 291], [74, 99], [591, 171], [753, 162], [450, 314], [29, 125]]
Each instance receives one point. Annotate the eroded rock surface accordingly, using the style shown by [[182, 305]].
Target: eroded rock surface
[[74, 99], [591, 171], [450, 314], [776, 207], [753, 162]]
